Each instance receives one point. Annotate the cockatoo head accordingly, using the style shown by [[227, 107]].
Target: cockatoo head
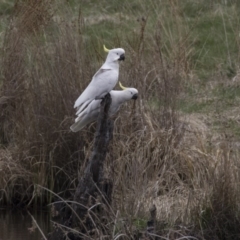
[[130, 93], [115, 54]]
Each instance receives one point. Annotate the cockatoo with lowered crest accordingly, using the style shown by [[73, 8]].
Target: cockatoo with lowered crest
[[91, 112], [103, 81]]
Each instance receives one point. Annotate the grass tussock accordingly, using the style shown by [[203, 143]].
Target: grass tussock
[[160, 155]]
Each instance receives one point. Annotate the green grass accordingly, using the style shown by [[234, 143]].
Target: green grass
[[211, 28], [6, 7], [195, 107], [227, 93], [140, 223], [214, 36], [212, 32], [234, 127]]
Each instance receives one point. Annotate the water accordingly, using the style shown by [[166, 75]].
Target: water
[[16, 225]]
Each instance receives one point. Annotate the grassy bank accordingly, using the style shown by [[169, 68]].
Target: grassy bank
[[179, 147]]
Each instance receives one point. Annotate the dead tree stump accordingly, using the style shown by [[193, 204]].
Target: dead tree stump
[[93, 193], [151, 224]]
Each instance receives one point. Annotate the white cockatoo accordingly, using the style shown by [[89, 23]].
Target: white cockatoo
[[103, 81], [91, 112]]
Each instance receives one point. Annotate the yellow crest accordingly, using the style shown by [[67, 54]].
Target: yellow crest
[[105, 49], [121, 86]]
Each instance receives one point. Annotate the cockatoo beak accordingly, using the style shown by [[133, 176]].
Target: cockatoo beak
[[135, 96], [122, 57]]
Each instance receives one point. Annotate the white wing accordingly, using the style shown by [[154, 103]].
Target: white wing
[[87, 116], [102, 83]]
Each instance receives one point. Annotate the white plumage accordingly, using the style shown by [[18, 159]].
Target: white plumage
[[103, 81], [91, 112]]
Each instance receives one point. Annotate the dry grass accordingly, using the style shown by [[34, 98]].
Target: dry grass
[[157, 156]]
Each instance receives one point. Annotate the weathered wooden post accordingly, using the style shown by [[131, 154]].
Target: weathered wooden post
[[151, 224], [92, 186]]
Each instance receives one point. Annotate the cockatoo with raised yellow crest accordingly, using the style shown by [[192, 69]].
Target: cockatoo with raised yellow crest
[[103, 81], [91, 112]]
